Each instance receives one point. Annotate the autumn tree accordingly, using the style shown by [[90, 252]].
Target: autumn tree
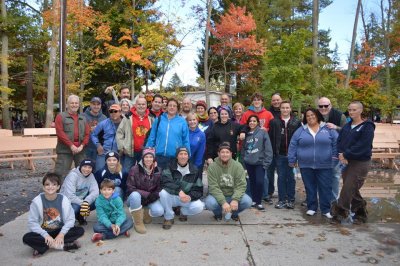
[[237, 45]]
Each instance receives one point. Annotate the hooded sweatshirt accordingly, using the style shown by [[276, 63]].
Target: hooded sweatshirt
[[140, 127], [78, 188], [257, 149], [118, 178], [197, 140], [226, 180], [356, 143], [264, 115], [316, 153], [92, 121]]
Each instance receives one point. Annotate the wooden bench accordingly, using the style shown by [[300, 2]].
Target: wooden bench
[[26, 148], [6, 133], [39, 132]]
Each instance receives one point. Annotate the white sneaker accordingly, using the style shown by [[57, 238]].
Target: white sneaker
[[328, 215], [310, 212]]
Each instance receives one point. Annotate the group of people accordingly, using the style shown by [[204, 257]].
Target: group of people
[[153, 157]]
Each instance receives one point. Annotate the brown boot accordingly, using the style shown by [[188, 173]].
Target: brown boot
[[137, 216], [168, 224], [146, 216]]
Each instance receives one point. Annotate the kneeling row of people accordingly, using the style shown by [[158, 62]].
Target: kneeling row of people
[[151, 192]]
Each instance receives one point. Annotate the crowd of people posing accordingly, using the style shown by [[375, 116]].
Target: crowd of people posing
[[153, 158]]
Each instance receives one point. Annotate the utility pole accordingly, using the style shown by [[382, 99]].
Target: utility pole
[[63, 64], [29, 92]]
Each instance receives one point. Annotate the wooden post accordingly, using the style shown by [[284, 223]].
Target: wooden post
[[63, 65], [29, 92]]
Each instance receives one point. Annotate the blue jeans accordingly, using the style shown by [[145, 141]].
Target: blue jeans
[[337, 172], [269, 182], [318, 183], [213, 205], [134, 202], [169, 201], [108, 233], [100, 162], [91, 152], [286, 180], [163, 161], [127, 162], [256, 176]]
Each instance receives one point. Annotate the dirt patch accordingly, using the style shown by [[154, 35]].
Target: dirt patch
[[18, 187]]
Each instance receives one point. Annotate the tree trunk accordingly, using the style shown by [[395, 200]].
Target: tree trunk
[[133, 65], [206, 53], [353, 44], [4, 69], [386, 43], [315, 18], [29, 92], [52, 69]]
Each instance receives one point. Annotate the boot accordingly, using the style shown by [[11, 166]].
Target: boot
[[146, 216], [137, 216]]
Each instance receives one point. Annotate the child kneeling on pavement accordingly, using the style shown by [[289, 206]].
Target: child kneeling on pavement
[[51, 220], [111, 217]]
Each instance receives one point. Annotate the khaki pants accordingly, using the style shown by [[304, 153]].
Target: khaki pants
[[64, 162]]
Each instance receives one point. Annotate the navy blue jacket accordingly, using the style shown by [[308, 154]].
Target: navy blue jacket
[[356, 143]]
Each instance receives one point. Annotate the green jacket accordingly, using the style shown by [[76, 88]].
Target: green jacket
[[124, 135], [226, 180], [110, 211], [173, 181]]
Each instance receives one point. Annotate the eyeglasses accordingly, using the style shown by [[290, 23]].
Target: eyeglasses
[[113, 111], [323, 106]]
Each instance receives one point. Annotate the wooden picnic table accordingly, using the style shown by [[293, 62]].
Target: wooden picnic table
[[26, 148]]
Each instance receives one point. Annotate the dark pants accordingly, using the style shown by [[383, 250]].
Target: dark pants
[[286, 180], [64, 162], [163, 162], [108, 233], [318, 184], [269, 185], [256, 176], [353, 179], [37, 242]]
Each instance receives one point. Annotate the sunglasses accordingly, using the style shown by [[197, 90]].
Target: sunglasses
[[113, 111], [323, 106]]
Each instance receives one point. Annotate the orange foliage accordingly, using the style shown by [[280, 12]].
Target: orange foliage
[[236, 39]]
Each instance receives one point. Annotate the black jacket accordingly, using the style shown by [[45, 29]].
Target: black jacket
[[219, 133], [275, 133], [173, 181]]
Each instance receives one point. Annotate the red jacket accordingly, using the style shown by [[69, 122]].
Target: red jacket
[[264, 116]]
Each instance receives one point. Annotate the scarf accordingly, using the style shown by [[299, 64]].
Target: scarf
[[203, 118]]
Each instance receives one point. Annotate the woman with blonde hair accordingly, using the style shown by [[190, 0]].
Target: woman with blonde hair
[[238, 110], [112, 170]]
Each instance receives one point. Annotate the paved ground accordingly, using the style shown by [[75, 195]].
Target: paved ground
[[275, 237]]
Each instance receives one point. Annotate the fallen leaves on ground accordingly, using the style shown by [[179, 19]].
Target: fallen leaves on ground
[[344, 231], [184, 242], [332, 250], [100, 243], [267, 243], [300, 235]]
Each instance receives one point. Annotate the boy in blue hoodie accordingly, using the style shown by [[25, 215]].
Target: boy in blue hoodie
[[112, 220]]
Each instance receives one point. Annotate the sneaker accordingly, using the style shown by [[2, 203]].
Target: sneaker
[[328, 215], [97, 237], [81, 220], [280, 205], [218, 218], [168, 224], [253, 205], [183, 218], [36, 254], [73, 245], [127, 234], [235, 217], [290, 205], [260, 208], [310, 212], [268, 200]]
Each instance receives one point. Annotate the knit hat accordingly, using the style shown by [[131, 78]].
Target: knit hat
[[220, 108], [150, 151], [201, 103], [180, 149], [112, 154], [224, 145], [86, 162]]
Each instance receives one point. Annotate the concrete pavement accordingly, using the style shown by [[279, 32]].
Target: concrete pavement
[[274, 237]]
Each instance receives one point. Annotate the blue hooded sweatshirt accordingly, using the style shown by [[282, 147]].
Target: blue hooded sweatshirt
[[356, 143], [169, 135], [316, 153], [197, 140]]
